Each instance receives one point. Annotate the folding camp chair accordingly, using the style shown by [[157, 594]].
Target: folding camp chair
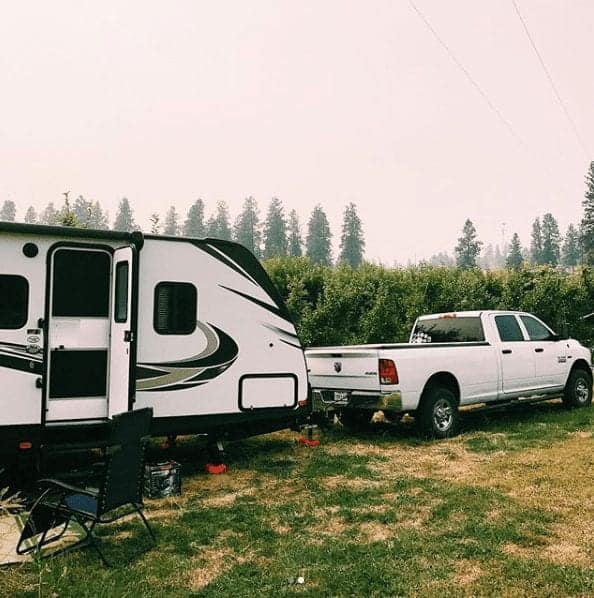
[[119, 491]]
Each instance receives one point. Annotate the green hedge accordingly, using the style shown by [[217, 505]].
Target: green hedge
[[374, 304]]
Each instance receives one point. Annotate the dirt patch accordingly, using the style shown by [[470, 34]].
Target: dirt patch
[[467, 572], [228, 498], [339, 481], [213, 562], [373, 531]]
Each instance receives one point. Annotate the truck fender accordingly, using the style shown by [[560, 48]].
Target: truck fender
[[444, 379], [582, 364]]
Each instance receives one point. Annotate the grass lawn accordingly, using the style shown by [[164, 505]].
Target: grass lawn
[[504, 509]]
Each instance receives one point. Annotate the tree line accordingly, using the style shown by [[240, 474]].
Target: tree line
[[277, 235], [547, 245]]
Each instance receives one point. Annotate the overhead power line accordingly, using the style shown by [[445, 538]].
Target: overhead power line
[[551, 82], [467, 74]]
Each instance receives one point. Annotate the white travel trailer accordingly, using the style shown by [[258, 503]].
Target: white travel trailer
[[93, 323]]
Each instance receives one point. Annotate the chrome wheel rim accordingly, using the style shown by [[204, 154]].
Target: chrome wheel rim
[[582, 392], [443, 415]]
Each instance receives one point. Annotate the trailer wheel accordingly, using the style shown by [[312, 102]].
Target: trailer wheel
[[578, 390], [354, 419], [438, 415]]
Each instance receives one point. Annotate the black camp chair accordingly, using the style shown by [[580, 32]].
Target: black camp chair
[[118, 492]]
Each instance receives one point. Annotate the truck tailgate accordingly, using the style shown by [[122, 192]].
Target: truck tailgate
[[343, 369]]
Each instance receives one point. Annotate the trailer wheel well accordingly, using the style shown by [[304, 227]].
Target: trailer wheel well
[[443, 379]]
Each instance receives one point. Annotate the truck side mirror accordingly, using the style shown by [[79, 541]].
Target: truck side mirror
[[565, 330]]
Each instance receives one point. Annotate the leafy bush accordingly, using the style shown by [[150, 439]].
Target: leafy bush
[[373, 304]]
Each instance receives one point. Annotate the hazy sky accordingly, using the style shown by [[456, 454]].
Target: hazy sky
[[314, 102]]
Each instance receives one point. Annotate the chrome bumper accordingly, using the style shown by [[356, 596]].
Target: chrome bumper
[[324, 400]]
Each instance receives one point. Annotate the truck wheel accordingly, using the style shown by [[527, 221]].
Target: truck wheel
[[578, 390], [438, 415], [354, 419]]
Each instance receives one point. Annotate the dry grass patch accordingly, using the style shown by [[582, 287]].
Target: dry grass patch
[[557, 479], [467, 572], [374, 531], [339, 481]]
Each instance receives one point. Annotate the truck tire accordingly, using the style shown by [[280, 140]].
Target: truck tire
[[437, 416], [578, 390], [354, 419]]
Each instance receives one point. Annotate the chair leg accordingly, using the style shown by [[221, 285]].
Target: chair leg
[[146, 523], [92, 541]]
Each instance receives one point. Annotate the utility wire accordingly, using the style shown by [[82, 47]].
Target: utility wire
[[473, 82], [552, 83]]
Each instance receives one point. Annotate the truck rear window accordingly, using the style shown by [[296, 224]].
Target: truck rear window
[[448, 330]]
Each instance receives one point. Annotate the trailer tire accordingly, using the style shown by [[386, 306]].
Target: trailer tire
[[437, 416], [354, 419], [578, 390]]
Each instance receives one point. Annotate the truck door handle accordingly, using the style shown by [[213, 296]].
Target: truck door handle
[[128, 336], [506, 351], [539, 350]]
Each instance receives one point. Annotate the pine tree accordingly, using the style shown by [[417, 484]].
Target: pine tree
[[295, 241], [514, 257], [66, 216], [194, 224], [536, 248], [551, 240], [571, 248], [218, 225], [246, 229], [31, 215], [49, 215], [352, 243], [8, 211], [82, 209], [487, 258], [155, 226], [124, 220], [275, 230], [588, 218], [319, 236], [171, 226], [468, 248], [98, 219]]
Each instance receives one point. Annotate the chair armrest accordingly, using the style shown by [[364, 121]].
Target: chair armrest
[[68, 487]]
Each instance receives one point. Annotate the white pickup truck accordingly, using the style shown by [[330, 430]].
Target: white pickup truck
[[452, 360]]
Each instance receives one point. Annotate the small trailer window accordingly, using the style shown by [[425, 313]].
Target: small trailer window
[[449, 330], [121, 292], [14, 301], [176, 305]]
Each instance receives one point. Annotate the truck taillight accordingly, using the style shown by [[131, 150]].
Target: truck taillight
[[387, 372]]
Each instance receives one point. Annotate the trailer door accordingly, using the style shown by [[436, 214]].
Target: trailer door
[[122, 341]]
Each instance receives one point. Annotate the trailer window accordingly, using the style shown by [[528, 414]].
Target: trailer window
[[448, 330], [81, 283], [121, 292], [14, 301], [508, 328], [176, 305]]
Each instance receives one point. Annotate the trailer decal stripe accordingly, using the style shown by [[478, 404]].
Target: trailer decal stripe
[[22, 364], [291, 344], [221, 257], [281, 331], [271, 308], [220, 353]]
